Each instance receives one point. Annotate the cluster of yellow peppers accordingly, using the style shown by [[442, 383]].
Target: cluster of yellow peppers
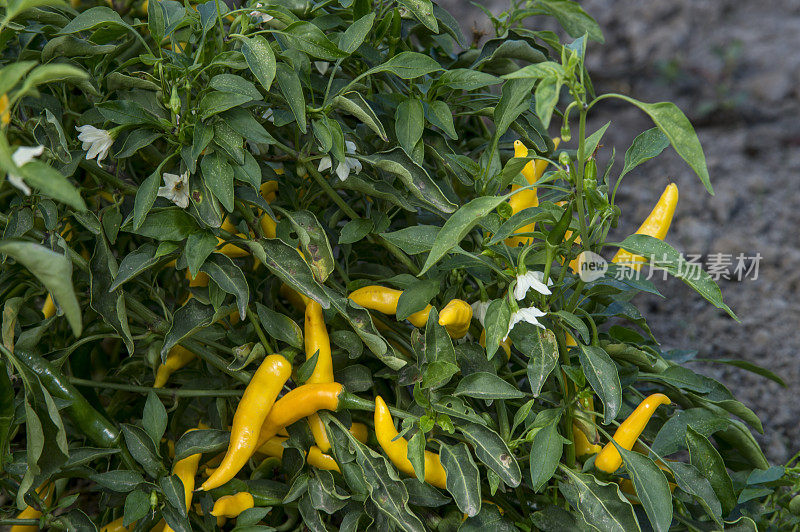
[[261, 417]]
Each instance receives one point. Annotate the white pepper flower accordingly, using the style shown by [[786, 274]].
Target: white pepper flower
[[530, 315], [96, 142], [479, 309], [343, 169], [261, 18], [22, 156], [176, 189], [528, 280], [321, 66]]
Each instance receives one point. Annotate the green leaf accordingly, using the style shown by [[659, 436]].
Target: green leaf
[[409, 122], [422, 11], [482, 385], [313, 243], [747, 366], [645, 146], [125, 113], [121, 481], [548, 92], [354, 103], [414, 239], [466, 79], [154, 417], [674, 124], [216, 102], [93, 17], [707, 460], [186, 321], [280, 327], [498, 317], [235, 85], [53, 270], [142, 448], [218, 177], [138, 261], [416, 454], [458, 225], [546, 449], [415, 297], [572, 18], [292, 90], [229, 277], [355, 34], [407, 65], [414, 177], [260, 58], [50, 182], [201, 441], [516, 95], [667, 258], [672, 436], [287, 264], [439, 115], [541, 348], [490, 449], [308, 38], [109, 305], [463, 478], [601, 372], [6, 405], [651, 487], [692, 482], [600, 503], [165, 224], [355, 230]]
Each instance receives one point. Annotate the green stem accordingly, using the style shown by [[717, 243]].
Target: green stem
[[259, 331], [107, 177], [214, 360], [160, 391], [502, 419], [581, 162]]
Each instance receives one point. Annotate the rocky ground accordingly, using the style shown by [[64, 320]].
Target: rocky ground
[[733, 67]]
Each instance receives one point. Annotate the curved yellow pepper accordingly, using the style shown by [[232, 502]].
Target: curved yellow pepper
[[456, 317], [628, 432], [583, 446], [384, 300], [655, 225], [295, 298], [254, 407], [5, 110], [397, 450], [317, 341], [232, 505], [528, 197], [177, 357], [299, 403], [231, 250], [186, 470]]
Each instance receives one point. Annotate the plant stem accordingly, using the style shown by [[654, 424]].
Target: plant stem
[[581, 162], [211, 358], [160, 391], [107, 177], [259, 331]]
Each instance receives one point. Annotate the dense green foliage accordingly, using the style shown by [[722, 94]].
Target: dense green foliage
[[391, 139]]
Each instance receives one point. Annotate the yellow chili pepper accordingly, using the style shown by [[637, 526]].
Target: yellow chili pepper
[[5, 110], [269, 189], [186, 470], [384, 300], [528, 197], [299, 403], [115, 526], [46, 493], [231, 250], [177, 357], [583, 447], [397, 450], [316, 456], [49, 307], [655, 225], [253, 409], [628, 432], [456, 317], [232, 505], [317, 341]]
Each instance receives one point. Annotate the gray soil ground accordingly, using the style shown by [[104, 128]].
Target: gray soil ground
[[734, 68]]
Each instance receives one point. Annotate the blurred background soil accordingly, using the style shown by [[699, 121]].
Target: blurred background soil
[[734, 69]]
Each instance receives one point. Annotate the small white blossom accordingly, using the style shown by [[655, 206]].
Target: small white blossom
[[96, 142], [262, 18], [176, 189], [22, 156], [479, 309], [529, 280], [321, 66], [343, 169], [530, 315], [269, 115]]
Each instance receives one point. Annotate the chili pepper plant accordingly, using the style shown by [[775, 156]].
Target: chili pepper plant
[[325, 265]]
